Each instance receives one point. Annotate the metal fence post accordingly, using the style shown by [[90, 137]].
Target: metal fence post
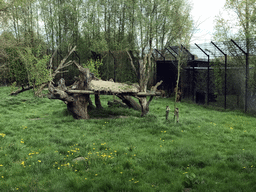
[[208, 71], [246, 74], [225, 91]]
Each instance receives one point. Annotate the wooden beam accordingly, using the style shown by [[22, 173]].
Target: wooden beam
[[109, 93], [149, 94], [80, 91]]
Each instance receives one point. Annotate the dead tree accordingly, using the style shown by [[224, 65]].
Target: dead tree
[[77, 96], [144, 74], [76, 103]]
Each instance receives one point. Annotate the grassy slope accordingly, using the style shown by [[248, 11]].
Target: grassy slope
[[207, 151]]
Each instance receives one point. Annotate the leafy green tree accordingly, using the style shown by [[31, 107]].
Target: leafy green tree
[[93, 66], [244, 14]]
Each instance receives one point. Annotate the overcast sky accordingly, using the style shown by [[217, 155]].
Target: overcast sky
[[205, 11]]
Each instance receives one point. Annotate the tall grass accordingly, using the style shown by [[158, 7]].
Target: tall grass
[[208, 150]]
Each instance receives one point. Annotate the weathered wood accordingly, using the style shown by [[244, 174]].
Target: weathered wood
[[80, 92], [77, 97], [76, 103], [97, 101], [129, 102], [21, 90], [154, 88], [150, 93], [112, 87]]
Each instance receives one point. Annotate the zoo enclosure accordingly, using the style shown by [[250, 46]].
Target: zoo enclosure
[[216, 73]]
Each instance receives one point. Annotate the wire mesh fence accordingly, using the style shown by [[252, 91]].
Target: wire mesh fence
[[219, 73]]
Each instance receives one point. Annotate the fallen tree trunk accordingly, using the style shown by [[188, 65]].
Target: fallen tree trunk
[[21, 90], [129, 102], [77, 98]]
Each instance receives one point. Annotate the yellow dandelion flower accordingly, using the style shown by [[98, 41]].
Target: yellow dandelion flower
[[39, 161], [121, 172], [1, 165], [21, 141], [85, 178], [2, 176], [96, 174]]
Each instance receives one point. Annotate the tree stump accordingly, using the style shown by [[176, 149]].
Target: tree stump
[[76, 103]]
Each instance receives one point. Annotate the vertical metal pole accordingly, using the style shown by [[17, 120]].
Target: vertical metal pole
[[193, 84], [246, 81], [246, 74], [225, 97], [208, 78]]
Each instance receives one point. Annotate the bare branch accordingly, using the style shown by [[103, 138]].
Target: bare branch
[[61, 65], [50, 64], [67, 64], [63, 71], [132, 62], [154, 88]]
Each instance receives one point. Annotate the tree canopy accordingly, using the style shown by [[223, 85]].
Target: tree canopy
[[92, 25]]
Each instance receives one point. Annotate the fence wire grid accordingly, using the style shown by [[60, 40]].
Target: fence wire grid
[[218, 73]]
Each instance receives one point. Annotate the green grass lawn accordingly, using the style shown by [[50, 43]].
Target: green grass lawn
[[208, 150]]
